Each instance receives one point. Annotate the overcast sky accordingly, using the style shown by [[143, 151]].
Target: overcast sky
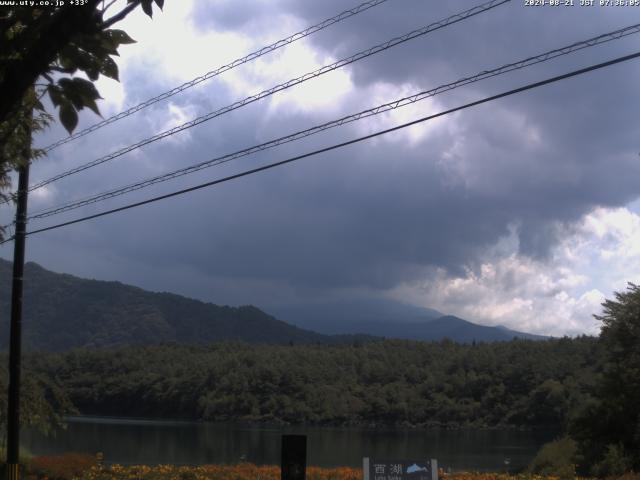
[[522, 212]]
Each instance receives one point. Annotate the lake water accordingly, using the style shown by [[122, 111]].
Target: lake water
[[192, 443]]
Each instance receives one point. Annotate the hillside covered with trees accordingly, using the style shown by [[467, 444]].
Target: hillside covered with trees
[[63, 311], [394, 382]]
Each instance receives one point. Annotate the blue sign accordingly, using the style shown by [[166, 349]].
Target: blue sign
[[379, 469]]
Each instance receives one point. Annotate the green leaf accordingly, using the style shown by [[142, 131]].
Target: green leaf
[[109, 68], [85, 87], [56, 95], [68, 117], [75, 57], [108, 44], [147, 7], [80, 93], [93, 72], [67, 60], [88, 93], [93, 106], [120, 37]]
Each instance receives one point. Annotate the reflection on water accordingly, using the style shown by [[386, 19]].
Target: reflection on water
[[193, 443]]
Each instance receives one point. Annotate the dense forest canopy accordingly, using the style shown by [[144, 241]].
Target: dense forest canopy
[[396, 382]]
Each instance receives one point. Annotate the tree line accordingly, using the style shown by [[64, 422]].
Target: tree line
[[393, 382]]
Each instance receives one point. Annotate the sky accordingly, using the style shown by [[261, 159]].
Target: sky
[[522, 212]]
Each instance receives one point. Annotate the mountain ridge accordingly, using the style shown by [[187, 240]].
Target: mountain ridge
[[395, 320], [62, 311]]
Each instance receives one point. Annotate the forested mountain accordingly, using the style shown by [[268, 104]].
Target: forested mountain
[[62, 312], [384, 318], [395, 382], [345, 315]]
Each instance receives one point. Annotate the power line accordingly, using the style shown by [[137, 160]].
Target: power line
[[283, 86], [620, 33], [213, 73], [341, 145], [325, 69]]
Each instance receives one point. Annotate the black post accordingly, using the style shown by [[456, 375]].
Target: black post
[[15, 340], [293, 464]]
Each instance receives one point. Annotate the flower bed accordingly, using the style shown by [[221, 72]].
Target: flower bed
[[84, 467]]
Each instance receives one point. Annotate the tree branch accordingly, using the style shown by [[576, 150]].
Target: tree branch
[[120, 16], [61, 70], [109, 5]]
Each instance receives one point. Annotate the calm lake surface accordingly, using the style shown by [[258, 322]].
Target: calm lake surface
[[192, 443]]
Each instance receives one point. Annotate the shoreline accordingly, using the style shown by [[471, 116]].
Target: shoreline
[[361, 425]]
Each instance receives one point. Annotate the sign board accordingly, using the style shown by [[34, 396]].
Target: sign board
[[380, 469]]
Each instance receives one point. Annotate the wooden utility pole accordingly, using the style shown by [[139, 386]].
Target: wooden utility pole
[[15, 338]]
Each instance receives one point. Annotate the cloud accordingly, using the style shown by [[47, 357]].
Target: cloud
[[557, 296], [489, 213]]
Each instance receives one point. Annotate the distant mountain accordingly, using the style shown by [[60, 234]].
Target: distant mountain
[[460, 330], [527, 336], [341, 316], [390, 319], [62, 311]]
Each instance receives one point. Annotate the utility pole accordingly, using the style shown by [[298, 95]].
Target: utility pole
[[15, 338]]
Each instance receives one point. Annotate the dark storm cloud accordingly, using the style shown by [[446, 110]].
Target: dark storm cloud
[[370, 217], [378, 214], [503, 34]]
